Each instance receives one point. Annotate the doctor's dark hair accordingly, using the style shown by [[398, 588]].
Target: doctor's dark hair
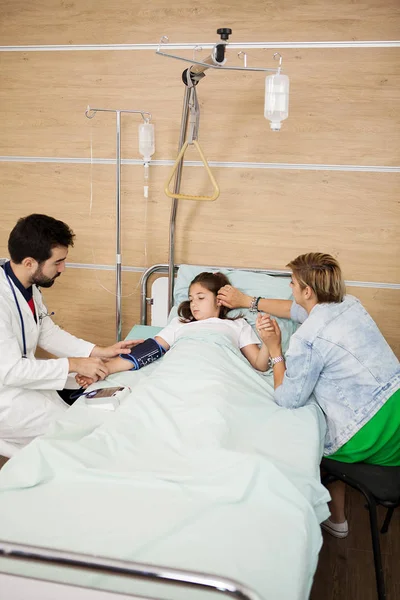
[[322, 273], [36, 235], [212, 282]]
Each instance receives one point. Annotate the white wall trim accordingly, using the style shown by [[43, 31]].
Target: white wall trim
[[101, 267], [204, 45], [192, 163]]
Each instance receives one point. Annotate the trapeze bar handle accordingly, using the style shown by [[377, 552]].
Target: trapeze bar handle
[[210, 175]]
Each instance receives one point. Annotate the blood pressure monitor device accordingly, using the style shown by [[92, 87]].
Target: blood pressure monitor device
[[107, 398]]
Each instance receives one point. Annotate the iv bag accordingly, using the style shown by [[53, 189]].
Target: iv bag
[[146, 140], [276, 107]]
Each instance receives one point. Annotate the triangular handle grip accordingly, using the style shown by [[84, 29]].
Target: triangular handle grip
[[210, 175]]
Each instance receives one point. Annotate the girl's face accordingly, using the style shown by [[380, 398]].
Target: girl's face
[[203, 303]]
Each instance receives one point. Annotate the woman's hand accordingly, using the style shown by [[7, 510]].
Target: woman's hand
[[232, 297], [270, 334], [116, 349]]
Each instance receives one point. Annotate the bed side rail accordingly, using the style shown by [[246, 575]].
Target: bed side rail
[[135, 570]]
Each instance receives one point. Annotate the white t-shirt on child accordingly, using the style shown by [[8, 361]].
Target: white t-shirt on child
[[239, 331]]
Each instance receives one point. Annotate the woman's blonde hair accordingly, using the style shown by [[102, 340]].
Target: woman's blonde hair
[[322, 273]]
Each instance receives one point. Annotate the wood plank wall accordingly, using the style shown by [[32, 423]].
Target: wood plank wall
[[343, 111]]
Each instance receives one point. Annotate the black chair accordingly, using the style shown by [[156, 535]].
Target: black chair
[[380, 486]]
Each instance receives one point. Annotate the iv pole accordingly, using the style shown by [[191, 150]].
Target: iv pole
[[90, 113], [190, 78]]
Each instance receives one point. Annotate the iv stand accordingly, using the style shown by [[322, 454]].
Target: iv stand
[[191, 77], [90, 113]]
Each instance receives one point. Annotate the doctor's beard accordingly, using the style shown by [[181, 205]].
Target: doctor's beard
[[38, 278]]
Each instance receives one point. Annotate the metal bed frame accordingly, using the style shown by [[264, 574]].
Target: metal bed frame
[[166, 575], [130, 569], [135, 570]]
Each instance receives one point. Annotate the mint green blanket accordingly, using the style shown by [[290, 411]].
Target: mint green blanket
[[197, 469]]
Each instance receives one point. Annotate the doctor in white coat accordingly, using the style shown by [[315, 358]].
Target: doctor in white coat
[[29, 401]]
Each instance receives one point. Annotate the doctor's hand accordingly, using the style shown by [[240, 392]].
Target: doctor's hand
[[115, 350], [233, 298], [91, 367]]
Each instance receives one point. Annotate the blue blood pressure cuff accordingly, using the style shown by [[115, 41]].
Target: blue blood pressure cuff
[[145, 353]]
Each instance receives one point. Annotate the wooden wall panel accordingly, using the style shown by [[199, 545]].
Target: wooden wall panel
[[93, 295], [342, 110], [64, 191], [266, 218], [263, 218], [104, 22], [93, 317], [83, 301]]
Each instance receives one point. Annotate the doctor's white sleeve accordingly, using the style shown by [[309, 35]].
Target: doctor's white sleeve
[[29, 373], [55, 340]]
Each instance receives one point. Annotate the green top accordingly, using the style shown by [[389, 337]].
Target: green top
[[378, 441]]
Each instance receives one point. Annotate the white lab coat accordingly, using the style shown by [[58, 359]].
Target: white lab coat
[[29, 403]]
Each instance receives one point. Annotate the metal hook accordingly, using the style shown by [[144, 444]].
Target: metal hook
[[243, 56], [146, 119], [90, 110], [196, 49], [164, 39], [146, 116], [280, 60]]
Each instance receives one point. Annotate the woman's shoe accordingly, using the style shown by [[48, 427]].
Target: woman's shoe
[[339, 530]]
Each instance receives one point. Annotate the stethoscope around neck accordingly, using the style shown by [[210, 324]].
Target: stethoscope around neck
[[24, 355]]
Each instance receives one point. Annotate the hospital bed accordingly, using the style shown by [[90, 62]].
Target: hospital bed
[[197, 470]]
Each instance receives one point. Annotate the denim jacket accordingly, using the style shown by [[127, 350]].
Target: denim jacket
[[339, 355]]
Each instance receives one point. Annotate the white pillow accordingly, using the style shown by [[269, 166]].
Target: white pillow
[[253, 284]]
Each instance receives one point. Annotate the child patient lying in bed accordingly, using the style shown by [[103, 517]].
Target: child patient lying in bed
[[202, 310]]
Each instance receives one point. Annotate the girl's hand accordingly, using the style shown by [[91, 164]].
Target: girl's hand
[[269, 332], [83, 381]]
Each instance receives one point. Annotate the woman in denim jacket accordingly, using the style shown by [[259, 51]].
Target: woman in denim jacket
[[339, 356]]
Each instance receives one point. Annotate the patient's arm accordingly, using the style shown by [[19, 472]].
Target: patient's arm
[[257, 357], [162, 342], [234, 298], [118, 365]]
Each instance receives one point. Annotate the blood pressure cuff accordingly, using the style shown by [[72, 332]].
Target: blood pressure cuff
[[145, 353]]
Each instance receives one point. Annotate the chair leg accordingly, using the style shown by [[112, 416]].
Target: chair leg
[[387, 520], [380, 582]]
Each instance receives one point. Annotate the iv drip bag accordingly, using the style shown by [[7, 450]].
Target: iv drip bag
[[146, 140], [146, 149], [276, 107]]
